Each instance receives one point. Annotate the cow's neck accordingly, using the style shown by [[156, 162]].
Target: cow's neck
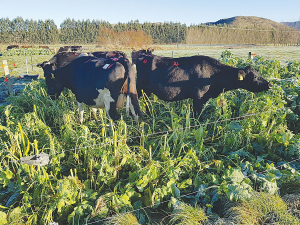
[[64, 75], [222, 80]]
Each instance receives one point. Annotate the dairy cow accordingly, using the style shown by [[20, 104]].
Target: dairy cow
[[12, 46], [195, 77], [100, 83]]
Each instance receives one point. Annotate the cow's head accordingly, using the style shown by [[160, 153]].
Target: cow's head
[[249, 79], [54, 85], [136, 54]]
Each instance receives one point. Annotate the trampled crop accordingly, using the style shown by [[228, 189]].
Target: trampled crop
[[242, 146]]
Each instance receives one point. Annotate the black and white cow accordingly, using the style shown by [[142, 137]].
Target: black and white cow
[[100, 83], [195, 77]]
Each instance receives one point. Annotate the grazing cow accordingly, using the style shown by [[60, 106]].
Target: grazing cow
[[70, 49], [26, 46], [44, 47], [12, 46], [100, 83], [136, 54], [109, 54], [196, 77]]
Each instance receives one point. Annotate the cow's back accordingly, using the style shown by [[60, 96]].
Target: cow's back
[[92, 76], [173, 79]]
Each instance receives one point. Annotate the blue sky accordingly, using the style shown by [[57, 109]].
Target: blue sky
[[183, 11]]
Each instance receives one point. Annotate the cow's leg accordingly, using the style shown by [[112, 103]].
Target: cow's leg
[[81, 111], [134, 106], [95, 113], [111, 107], [112, 110], [197, 107]]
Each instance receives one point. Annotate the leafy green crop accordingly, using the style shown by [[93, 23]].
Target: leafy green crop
[[241, 144]]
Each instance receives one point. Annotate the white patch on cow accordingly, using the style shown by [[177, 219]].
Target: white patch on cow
[[106, 66], [121, 101], [132, 110], [80, 112], [103, 100]]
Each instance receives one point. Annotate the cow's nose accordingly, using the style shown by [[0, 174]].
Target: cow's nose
[[270, 85]]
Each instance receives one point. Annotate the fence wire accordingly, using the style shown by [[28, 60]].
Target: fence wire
[[168, 131]]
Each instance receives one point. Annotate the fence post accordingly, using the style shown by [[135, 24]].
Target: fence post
[[26, 67], [31, 62], [7, 77], [250, 56]]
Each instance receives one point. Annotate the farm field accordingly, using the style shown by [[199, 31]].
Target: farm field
[[237, 163]]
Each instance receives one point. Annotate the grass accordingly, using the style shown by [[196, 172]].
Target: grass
[[185, 214], [262, 208], [127, 219]]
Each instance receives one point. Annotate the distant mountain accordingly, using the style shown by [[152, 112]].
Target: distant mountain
[[295, 25], [251, 22]]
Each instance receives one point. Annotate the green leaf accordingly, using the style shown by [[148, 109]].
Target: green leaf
[[200, 133], [5, 177], [175, 191], [235, 126], [3, 218]]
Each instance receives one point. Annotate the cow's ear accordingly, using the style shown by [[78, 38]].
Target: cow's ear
[[241, 75]]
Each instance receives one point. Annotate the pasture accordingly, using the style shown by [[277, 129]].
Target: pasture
[[238, 162]]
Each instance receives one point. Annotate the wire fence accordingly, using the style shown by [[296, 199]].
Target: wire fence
[[142, 137]]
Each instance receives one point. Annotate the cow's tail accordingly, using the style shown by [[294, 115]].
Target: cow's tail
[[127, 65]]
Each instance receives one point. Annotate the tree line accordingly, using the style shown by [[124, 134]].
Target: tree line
[[19, 31], [226, 34]]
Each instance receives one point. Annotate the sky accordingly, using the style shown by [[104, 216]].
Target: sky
[[183, 11]]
